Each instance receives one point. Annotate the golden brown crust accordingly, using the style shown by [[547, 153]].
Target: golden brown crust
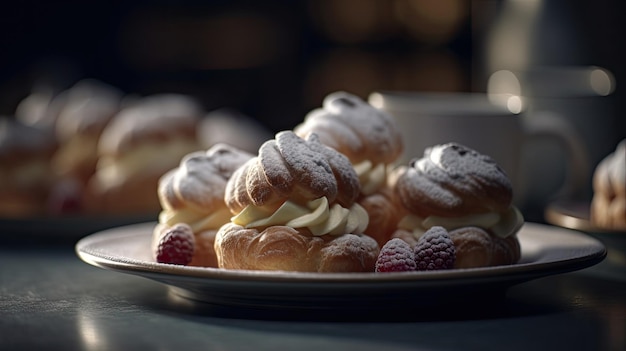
[[384, 212], [288, 249], [204, 252], [476, 247]]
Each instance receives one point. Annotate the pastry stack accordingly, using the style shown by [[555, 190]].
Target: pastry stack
[[329, 196], [372, 142]]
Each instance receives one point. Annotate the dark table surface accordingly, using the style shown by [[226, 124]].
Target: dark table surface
[[51, 300]]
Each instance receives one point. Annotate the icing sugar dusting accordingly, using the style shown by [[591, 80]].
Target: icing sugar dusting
[[451, 176], [201, 177], [354, 127], [289, 167]]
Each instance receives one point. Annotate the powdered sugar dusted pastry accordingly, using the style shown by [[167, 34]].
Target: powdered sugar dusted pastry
[[608, 205], [193, 193], [295, 210], [80, 115], [355, 128], [140, 144], [456, 187], [25, 173], [370, 138]]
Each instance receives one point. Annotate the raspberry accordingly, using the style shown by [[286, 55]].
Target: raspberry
[[65, 197], [176, 245], [395, 256], [434, 250]]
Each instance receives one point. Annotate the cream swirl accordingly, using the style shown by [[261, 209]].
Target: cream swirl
[[500, 224], [372, 177], [317, 215], [198, 221]]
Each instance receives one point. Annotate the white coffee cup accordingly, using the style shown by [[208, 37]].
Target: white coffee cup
[[472, 119], [581, 95]]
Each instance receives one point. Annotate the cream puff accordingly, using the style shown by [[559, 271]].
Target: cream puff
[[80, 115], [295, 209], [193, 194], [140, 144], [469, 195]]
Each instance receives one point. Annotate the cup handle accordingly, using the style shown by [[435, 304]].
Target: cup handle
[[553, 126]]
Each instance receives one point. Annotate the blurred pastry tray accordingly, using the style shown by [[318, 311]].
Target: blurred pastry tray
[[62, 229], [573, 214]]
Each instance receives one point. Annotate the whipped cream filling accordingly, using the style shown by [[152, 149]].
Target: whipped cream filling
[[198, 221], [317, 215], [152, 156], [371, 177], [501, 224]]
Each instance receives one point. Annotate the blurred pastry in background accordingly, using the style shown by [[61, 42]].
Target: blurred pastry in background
[[229, 126], [193, 194], [608, 205], [38, 110], [372, 142], [140, 144], [25, 174], [80, 115]]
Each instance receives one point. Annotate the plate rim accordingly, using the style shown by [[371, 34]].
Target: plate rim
[[85, 250]]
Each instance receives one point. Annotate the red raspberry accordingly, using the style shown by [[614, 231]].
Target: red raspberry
[[435, 250], [65, 197], [395, 256], [176, 245]]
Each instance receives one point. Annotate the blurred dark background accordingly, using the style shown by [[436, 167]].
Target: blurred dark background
[[275, 60]]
